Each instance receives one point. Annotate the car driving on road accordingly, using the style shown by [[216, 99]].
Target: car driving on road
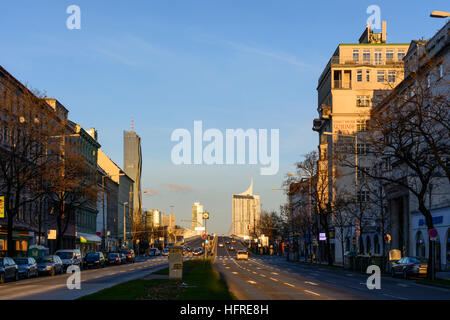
[[154, 252], [242, 255], [197, 252], [165, 252], [113, 258], [129, 253]]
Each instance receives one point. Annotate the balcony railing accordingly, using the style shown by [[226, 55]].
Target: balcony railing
[[342, 84], [361, 60]]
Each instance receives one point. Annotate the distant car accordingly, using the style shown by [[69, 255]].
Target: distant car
[[154, 252], [197, 252], [233, 241], [50, 265], [70, 257], [27, 267], [129, 253], [409, 267], [221, 244], [94, 259], [113, 258], [123, 258], [242, 255], [165, 252], [231, 248], [227, 242], [8, 270]]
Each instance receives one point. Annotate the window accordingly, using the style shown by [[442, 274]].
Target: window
[[366, 56], [441, 71], [359, 75], [389, 55], [355, 55], [362, 101], [363, 196], [391, 76], [361, 125], [3, 245], [368, 75], [420, 245], [380, 76], [429, 81], [363, 149], [400, 55], [378, 57]]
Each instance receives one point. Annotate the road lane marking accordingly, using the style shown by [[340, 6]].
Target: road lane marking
[[388, 295], [274, 279], [234, 272], [288, 284], [403, 285], [251, 281], [275, 273], [313, 283], [311, 292], [262, 275]]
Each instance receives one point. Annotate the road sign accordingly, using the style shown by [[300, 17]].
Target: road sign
[[433, 234], [205, 215], [322, 236], [387, 238], [204, 236]]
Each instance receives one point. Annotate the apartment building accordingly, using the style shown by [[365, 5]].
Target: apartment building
[[346, 88]]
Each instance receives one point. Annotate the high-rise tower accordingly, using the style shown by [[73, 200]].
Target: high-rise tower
[[132, 162]]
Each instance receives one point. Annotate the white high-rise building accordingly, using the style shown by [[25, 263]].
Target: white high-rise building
[[246, 213], [197, 217]]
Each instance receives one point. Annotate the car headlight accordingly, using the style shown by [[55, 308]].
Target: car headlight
[[48, 267]]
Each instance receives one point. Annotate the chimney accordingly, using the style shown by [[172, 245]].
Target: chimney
[[383, 32]]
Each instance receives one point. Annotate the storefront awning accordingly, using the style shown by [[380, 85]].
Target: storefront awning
[[88, 238]]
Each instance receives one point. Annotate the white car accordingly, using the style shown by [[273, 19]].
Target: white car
[[242, 254]]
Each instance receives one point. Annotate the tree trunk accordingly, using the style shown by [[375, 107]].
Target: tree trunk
[[9, 237], [429, 221]]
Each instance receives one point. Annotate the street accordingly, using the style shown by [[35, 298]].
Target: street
[[92, 280], [274, 278]]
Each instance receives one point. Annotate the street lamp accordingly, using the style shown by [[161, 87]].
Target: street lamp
[[439, 14]]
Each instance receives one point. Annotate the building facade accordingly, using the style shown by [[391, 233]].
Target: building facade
[[132, 163], [346, 89]]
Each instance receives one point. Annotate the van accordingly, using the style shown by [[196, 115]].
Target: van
[[70, 257]]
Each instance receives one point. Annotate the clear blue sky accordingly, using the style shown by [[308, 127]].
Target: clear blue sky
[[231, 64]]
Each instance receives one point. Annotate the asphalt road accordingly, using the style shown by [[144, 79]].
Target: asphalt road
[[92, 280], [274, 278]]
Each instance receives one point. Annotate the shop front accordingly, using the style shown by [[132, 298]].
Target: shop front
[[88, 242], [22, 240]]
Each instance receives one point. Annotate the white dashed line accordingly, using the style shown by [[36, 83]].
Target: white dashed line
[[288, 284], [312, 283], [311, 292]]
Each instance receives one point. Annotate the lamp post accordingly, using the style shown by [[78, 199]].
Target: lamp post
[[439, 14]]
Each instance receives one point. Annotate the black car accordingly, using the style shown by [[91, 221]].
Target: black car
[[409, 267], [123, 258], [8, 270], [113, 258], [50, 265], [27, 267], [197, 252], [129, 253], [94, 259]]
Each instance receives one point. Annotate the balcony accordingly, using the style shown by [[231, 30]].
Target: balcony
[[342, 84], [366, 61]]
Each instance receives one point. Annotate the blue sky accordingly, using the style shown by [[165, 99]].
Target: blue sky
[[231, 64]]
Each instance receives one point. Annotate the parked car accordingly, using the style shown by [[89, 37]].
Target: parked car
[[70, 257], [94, 259], [114, 258], [50, 265], [8, 270], [409, 267], [27, 267], [154, 252], [123, 258], [197, 252], [242, 254], [165, 252], [129, 253]]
